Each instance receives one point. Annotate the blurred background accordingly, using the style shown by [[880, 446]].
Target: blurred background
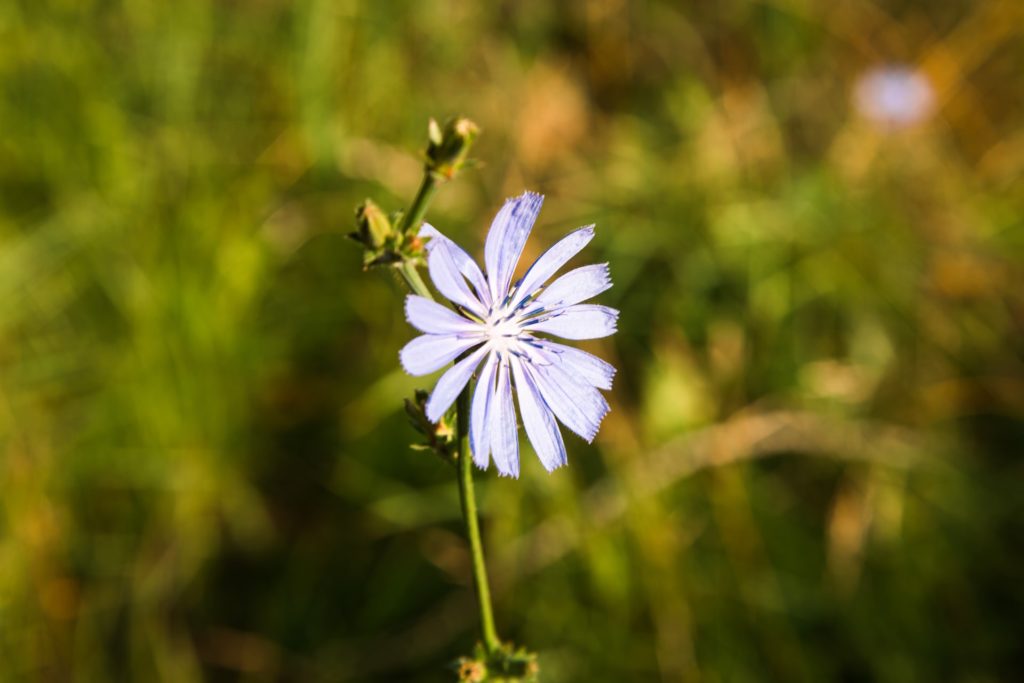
[[814, 215]]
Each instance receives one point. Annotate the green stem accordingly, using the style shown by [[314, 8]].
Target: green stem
[[465, 465], [411, 221], [413, 279], [418, 209]]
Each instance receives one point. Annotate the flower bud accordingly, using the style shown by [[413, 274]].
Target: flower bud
[[373, 225], [449, 146], [439, 437]]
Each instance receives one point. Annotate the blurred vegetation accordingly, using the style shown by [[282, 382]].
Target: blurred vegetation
[[813, 466]]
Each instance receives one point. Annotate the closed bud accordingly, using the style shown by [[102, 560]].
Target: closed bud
[[440, 436], [373, 225], [448, 148]]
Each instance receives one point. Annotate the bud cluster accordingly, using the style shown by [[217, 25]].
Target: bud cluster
[[392, 240], [505, 665]]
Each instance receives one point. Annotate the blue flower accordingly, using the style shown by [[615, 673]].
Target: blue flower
[[495, 327], [895, 95]]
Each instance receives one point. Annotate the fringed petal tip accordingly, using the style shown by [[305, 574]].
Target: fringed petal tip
[[404, 364], [527, 196], [555, 466], [613, 313], [505, 240], [599, 419]]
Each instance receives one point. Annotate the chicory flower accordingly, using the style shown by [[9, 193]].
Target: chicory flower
[[495, 329]]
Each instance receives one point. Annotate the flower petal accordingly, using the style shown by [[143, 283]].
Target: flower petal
[[575, 286], [465, 263], [582, 321], [433, 318], [551, 260], [577, 363], [506, 238], [479, 422], [502, 418], [579, 406], [430, 352], [449, 281], [451, 383], [538, 420]]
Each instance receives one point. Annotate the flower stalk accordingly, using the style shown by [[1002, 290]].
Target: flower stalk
[[411, 274], [418, 209], [469, 515]]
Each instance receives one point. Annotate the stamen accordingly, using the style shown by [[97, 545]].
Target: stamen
[[466, 313], [535, 312]]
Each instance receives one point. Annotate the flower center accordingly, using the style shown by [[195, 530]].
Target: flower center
[[501, 333]]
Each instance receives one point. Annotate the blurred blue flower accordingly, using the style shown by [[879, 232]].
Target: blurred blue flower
[[894, 95], [497, 323]]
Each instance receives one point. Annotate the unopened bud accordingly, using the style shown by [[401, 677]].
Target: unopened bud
[[439, 436], [374, 228], [449, 147]]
